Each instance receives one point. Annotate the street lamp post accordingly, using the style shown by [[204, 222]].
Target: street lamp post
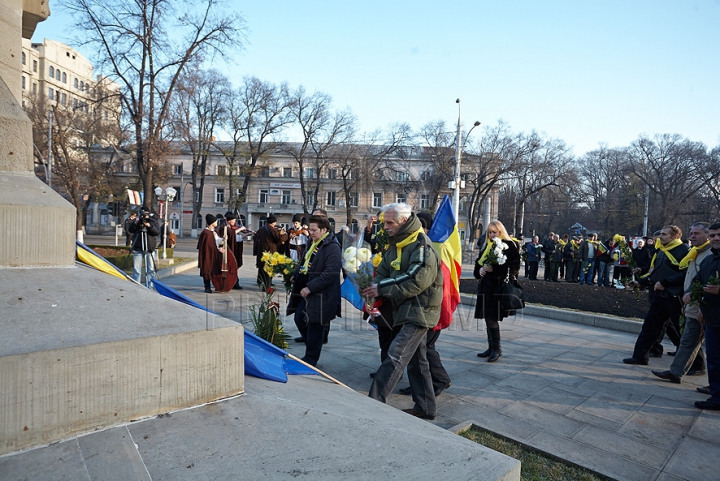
[[457, 183], [168, 197]]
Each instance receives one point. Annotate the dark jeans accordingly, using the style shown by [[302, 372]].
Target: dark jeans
[[548, 269], [408, 349], [587, 271], [312, 332], [663, 311], [533, 270], [712, 344], [554, 266], [604, 273], [440, 377]]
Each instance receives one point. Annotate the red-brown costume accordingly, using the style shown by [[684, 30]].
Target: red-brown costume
[[235, 247], [208, 255]]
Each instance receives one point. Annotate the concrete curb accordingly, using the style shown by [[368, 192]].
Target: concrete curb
[[171, 271], [578, 317]]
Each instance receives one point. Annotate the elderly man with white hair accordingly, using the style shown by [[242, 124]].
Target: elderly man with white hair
[[410, 277]]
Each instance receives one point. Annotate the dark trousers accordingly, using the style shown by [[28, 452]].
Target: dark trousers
[[533, 270], [548, 269], [712, 356], [440, 377], [385, 338], [554, 266], [408, 349], [312, 332], [572, 271], [663, 311]]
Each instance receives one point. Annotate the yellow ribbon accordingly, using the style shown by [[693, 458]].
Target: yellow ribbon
[[666, 249], [310, 252], [486, 252], [692, 255], [399, 247]]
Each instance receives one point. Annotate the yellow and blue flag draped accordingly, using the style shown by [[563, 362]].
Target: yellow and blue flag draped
[[446, 240]]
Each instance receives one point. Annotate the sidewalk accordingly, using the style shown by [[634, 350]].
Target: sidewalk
[[559, 387]]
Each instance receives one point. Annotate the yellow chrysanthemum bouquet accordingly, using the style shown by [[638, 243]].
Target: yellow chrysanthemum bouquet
[[276, 263]]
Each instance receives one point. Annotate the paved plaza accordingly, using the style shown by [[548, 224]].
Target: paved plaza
[[560, 386]]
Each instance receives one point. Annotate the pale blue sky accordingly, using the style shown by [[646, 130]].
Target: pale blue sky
[[585, 72]]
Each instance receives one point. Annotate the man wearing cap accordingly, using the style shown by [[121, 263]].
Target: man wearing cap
[[208, 252], [267, 239], [235, 240], [145, 231]]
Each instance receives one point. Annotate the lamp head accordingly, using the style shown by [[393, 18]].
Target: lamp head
[[158, 191]]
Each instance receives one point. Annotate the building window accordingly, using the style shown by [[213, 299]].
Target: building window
[[51, 94], [34, 65], [51, 71], [177, 168], [34, 89], [64, 78], [354, 228], [75, 83], [23, 58], [219, 196], [310, 173], [87, 88], [63, 98], [377, 199], [197, 196], [424, 201], [286, 197], [82, 85], [401, 198], [332, 173], [264, 196], [264, 171], [331, 198], [287, 172], [403, 176], [353, 200], [425, 176], [23, 82], [219, 170], [310, 199], [57, 74]]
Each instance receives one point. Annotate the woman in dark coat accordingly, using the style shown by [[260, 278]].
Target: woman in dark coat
[[492, 277], [315, 298]]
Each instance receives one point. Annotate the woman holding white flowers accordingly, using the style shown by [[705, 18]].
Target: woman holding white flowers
[[315, 297], [499, 260]]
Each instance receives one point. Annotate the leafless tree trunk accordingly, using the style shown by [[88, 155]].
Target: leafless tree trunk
[[145, 45]]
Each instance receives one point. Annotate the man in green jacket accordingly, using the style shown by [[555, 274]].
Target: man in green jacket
[[410, 277]]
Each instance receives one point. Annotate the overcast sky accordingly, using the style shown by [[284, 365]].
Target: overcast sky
[[584, 72]]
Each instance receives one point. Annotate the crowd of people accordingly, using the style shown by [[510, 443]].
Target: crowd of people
[[407, 290]]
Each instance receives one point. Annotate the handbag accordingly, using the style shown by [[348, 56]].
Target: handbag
[[512, 297]]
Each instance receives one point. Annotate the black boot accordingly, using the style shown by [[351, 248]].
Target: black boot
[[207, 286], [489, 349], [496, 350]]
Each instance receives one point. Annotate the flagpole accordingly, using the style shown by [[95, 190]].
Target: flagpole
[[458, 159]]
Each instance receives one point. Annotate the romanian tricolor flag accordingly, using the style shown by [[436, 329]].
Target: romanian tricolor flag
[[445, 238], [601, 247]]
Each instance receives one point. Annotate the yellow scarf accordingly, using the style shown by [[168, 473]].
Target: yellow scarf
[[692, 255], [666, 249], [399, 247], [310, 252], [486, 252]]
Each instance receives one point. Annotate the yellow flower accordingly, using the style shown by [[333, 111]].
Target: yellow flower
[[617, 238], [265, 256], [381, 217], [377, 259], [286, 272]]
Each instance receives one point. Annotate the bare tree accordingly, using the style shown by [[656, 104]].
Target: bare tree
[[322, 131], [258, 113], [145, 46], [437, 145], [199, 106], [668, 166], [76, 132], [356, 162], [544, 161], [490, 162]]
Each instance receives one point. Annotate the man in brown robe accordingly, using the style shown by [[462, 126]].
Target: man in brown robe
[[267, 239], [208, 252], [235, 240]]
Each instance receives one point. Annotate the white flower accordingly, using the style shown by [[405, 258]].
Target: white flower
[[498, 251], [501, 259], [349, 253], [364, 254], [351, 265]]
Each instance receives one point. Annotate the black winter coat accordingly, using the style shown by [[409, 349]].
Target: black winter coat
[[323, 280], [487, 305]]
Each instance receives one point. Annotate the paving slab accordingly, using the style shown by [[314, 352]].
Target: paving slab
[[695, 459]]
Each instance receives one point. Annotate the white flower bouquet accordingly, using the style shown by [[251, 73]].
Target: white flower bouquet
[[358, 265], [497, 253]]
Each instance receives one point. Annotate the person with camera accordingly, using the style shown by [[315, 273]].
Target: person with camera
[[145, 231]]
